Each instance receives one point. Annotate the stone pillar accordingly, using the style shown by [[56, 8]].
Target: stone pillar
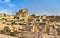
[[55, 33], [40, 34]]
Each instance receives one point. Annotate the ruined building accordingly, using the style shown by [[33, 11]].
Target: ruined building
[[30, 26]]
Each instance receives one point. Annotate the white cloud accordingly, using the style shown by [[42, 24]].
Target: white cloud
[[6, 11], [11, 5], [7, 0]]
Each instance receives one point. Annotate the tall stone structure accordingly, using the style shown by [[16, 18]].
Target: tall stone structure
[[22, 14]]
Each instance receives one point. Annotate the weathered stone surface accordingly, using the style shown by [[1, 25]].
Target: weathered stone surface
[[29, 35], [6, 36]]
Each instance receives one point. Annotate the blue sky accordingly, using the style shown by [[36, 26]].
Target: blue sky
[[38, 7]]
